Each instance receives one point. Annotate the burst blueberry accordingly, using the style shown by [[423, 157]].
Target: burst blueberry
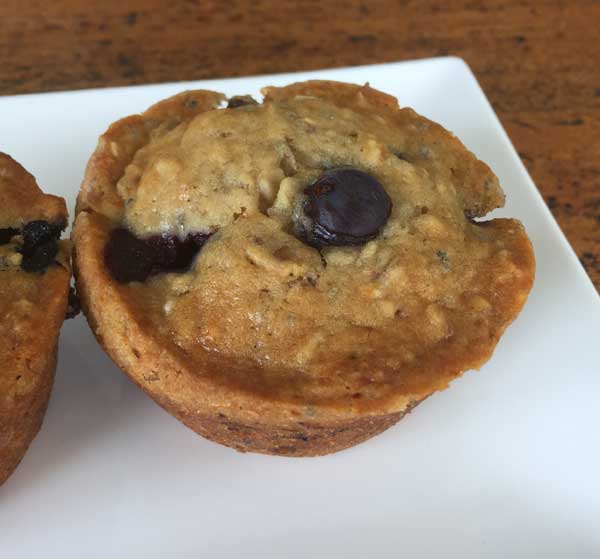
[[129, 258], [38, 232], [40, 256]]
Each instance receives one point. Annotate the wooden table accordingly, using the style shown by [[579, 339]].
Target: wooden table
[[538, 61]]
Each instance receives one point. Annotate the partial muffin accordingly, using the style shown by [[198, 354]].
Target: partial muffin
[[34, 286], [292, 277]]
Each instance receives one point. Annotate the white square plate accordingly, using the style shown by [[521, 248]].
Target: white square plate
[[503, 464]]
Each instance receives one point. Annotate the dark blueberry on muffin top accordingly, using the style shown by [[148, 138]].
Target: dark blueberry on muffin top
[[347, 207]]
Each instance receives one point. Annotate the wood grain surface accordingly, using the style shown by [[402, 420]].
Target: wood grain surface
[[538, 62]]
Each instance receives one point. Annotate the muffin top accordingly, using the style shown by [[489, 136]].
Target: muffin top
[[21, 200], [317, 248], [34, 281]]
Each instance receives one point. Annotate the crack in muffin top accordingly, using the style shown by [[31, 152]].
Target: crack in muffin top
[[405, 312]]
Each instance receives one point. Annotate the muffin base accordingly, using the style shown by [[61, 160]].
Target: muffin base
[[20, 425], [305, 439]]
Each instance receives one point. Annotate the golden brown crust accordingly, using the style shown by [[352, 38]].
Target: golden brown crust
[[21, 423], [235, 401], [32, 307]]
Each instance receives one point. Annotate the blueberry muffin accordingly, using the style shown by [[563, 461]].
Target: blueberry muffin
[[292, 277], [34, 286]]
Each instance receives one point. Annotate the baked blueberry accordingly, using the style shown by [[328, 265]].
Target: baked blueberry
[[39, 245], [39, 257], [35, 233], [174, 254], [347, 207], [7, 234], [240, 100], [74, 305], [131, 259]]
